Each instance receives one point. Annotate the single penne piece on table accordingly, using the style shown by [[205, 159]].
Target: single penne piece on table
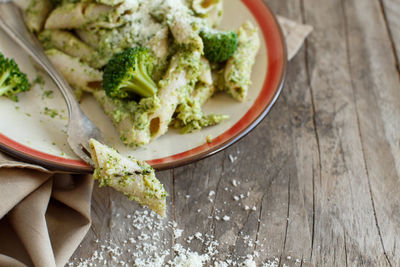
[[36, 14], [238, 68], [135, 179], [78, 74]]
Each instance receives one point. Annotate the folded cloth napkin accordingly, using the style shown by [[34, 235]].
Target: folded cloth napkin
[[44, 216], [295, 34]]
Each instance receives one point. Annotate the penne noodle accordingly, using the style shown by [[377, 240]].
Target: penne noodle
[[205, 71], [135, 179], [109, 2], [202, 93], [183, 29], [173, 89], [75, 16], [132, 127], [214, 16], [36, 14], [71, 45], [238, 68], [89, 36], [158, 44], [79, 75]]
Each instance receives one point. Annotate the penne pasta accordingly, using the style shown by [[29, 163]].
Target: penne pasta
[[133, 127], [214, 16], [173, 89], [159, 45], [109, 2], [238, 68], [189, 115], [135, 179], [36, 14], [79, 75], [80, 15], [184, 30], [89, 37], [205, 71], [71, 45], [202, 93]]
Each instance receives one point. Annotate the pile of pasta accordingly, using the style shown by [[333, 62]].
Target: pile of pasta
[[80, 37]]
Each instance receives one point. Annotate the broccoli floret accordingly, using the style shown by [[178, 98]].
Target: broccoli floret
[[219, 45], [129, 73], [12, 80]]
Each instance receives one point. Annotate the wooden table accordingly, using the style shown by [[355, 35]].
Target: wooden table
[[322, 169]]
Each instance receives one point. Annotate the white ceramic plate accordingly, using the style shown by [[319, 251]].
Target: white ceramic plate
[[27, 132]]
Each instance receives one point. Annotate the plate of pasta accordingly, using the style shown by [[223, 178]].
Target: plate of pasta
[[169, 82]]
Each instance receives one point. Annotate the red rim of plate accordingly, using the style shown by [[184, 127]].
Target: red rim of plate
[[272, 86]]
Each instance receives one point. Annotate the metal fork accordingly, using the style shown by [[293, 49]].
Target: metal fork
[[80, 127]]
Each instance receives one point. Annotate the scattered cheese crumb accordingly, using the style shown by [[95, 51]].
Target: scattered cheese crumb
[[178, 233], [226, 218], [232, 158], [234, 183]]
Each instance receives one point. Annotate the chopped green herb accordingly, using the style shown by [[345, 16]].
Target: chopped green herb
[[48, 94], [39, 81], [50, 112]]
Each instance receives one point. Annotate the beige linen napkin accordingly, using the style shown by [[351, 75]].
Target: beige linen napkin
[[44, 216], [295, 34]]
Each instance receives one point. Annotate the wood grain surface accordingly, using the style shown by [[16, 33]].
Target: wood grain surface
[[322, 170]]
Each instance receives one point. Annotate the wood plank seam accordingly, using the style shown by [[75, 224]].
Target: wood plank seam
[[389, 32], [287, 222], [259, 219], [306, 54]]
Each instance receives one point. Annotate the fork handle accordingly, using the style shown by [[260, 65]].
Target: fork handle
[[17, 30]]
